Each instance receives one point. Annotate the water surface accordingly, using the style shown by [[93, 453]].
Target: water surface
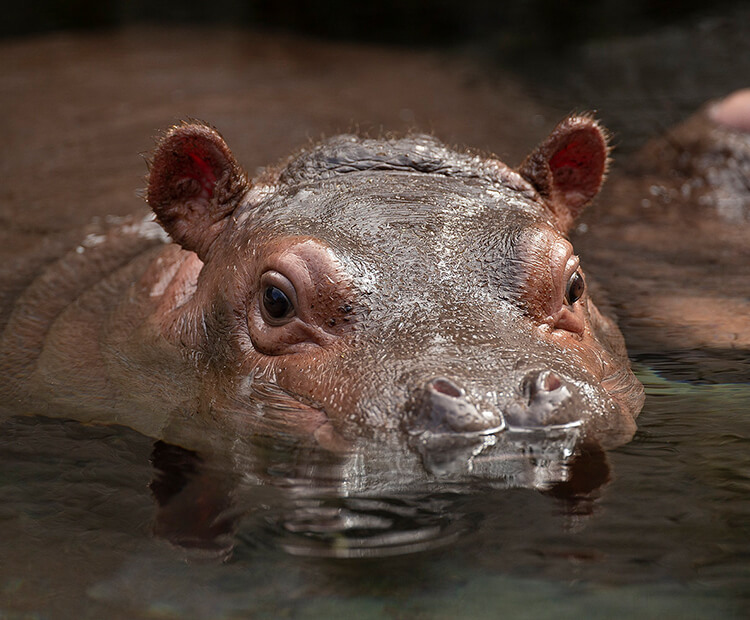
[[667, 536]]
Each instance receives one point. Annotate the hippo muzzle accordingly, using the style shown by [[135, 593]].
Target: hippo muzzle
[[548, 400]]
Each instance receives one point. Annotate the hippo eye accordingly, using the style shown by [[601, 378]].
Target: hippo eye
[[576, 288], [276, 305]]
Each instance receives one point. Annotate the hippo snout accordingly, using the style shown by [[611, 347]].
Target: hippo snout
[[443, 407], [455, 434], [547, 399]]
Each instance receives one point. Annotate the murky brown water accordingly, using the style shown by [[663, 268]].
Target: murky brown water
[[659, 528]]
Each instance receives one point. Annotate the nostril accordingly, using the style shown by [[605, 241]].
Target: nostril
[[540, 382], [547, 399], [443, 407], [446, 387], [551, 382]]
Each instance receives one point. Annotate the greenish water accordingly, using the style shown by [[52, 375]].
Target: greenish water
[[667, 537]]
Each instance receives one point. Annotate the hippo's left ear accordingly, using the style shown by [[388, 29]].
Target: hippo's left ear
[[194, 185], [568, 167]]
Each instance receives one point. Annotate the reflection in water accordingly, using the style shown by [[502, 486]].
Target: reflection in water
[[372, 502], [194, 503], [663, 534], [361, 527]]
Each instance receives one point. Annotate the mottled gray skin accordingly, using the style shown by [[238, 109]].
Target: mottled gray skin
[[429, 292]]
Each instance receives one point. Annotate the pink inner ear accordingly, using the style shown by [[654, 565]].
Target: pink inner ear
[[578, 167], [205, 173]]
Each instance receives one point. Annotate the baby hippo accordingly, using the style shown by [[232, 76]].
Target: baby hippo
[[366, 289]]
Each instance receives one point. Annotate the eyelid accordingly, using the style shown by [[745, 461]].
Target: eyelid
[[271, 277], [573, 265]]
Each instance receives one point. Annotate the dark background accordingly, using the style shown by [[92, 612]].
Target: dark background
[[642, 65], [517, 24]]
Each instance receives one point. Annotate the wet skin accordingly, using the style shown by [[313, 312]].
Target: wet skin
[[379, 289]]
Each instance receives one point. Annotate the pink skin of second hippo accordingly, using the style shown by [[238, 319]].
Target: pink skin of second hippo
[[733, 111], [373, 289], [671, 243]]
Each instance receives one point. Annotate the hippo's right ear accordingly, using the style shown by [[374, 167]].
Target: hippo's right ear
[[193, 185], [568, 167]]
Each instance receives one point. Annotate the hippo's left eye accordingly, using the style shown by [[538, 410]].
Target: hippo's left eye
[[575, 289], [277, 299], [276, 303]]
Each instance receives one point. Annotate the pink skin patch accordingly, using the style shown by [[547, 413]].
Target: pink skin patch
[[577, 168], [205, 175], [733, 111]]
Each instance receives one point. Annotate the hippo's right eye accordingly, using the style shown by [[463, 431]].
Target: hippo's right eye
[[575, 289], [276, 302]]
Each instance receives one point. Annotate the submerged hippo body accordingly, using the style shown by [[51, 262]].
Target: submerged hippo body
[[674, 246], [366, 288]]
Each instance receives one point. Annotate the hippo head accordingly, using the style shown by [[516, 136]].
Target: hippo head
[[391, 287]]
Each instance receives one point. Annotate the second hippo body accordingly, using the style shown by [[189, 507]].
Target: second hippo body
[[365, 288]]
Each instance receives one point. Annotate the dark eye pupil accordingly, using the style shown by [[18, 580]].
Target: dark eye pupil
[[575, 290], [276, 303]]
